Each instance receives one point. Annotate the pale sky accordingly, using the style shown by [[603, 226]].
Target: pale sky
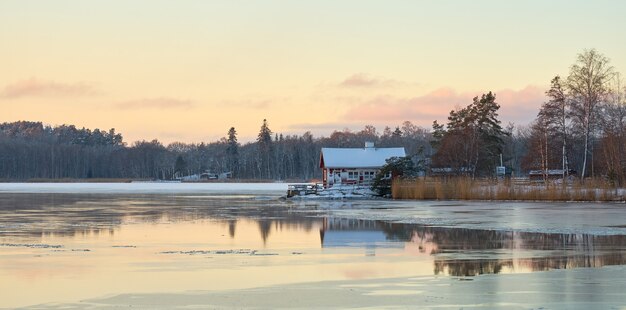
[[189, 70]]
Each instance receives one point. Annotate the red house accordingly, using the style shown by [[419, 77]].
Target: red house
[[354, 166]]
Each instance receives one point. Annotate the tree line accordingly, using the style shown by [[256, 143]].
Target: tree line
[[582, 125], [579, 129], [32, 150]]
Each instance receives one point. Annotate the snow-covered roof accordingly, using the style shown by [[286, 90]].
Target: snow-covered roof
[[368, 157]]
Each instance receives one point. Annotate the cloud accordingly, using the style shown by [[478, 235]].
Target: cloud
[[249, 103], [34, 87], [257, 101], [519, 106], [391, 108], [322, 127], [156, 103], [362, 80]]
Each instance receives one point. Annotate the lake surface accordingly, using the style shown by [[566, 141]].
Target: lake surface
[[72, 245]]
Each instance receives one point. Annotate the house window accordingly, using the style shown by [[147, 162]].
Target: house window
[[353, 175], [368, 175]]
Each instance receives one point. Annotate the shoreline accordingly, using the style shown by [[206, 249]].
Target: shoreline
[[487, 194], [131, 180]]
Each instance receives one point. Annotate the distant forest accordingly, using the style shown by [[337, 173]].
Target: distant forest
[[581, 127], [33, 150]]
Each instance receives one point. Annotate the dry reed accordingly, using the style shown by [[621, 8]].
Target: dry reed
[[465, 188]]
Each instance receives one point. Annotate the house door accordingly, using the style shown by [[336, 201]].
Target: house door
[[337, 177]]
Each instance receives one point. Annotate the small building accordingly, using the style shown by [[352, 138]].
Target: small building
[[354, 166], [449, 171], [550, 174], [215, 176]]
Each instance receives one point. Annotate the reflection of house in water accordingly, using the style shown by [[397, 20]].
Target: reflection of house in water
[[337, 232]]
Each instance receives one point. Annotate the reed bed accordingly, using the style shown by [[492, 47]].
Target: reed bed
[[462, 188]]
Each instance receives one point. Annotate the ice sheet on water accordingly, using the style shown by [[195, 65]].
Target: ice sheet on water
[[222, 252], [558, 218], [264, 189], [31, 245]]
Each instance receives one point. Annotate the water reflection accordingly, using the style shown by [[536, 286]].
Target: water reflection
[[36, 215], [468, 252], [467, 267], [454, 251]]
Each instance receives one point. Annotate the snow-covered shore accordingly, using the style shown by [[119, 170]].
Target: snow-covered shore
[[340, 192]]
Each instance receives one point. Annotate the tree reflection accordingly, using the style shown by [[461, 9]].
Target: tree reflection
[[265, 226], [232, 226], [67, 215], [455, 251], [471, 252]]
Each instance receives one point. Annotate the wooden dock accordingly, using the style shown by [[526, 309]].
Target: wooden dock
[[302, 189]]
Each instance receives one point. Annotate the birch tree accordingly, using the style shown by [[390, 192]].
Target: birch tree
[[588, 85]]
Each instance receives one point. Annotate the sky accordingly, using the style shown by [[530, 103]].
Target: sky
[[189, 70]]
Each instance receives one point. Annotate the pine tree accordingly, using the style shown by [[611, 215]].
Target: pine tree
[[397, 133], [180, 166], [232, 150], [555, 115], [265, 134], [473, 138], [264, 142]]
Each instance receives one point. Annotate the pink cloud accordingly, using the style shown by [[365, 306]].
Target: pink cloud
[[522, 106], [519, 106], [34, 87], [362, 80], [156, 103]]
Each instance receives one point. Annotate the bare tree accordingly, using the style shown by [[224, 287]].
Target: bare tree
[[554, 116], [588, 86], [614, 133]]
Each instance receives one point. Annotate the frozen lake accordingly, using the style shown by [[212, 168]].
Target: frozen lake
[[146, 188], [169, 245]]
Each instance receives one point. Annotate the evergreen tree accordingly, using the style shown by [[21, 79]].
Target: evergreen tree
[[394, 167], [265, 134], [264, 142], [554, 116], [437, 134], [180, 166], [473, 138], [397, 133], [232, 150]]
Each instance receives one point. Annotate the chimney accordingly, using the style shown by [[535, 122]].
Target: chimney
[[369, 145]]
